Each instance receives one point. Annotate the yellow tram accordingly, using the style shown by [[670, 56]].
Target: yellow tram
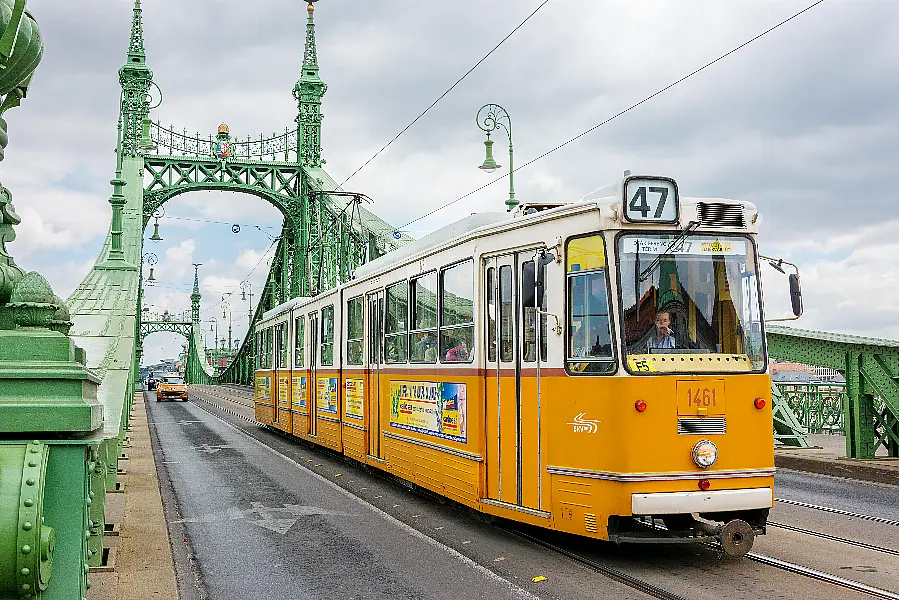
[[574, 366]]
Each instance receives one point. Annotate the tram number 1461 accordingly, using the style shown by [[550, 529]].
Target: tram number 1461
[[704, 397], [700, 396]]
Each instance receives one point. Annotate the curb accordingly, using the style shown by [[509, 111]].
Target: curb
[[838, 468]]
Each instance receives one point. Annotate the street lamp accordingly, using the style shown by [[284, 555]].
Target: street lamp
[[490, 118], [247, 288], [157, 214], [215, 328], [150, 259]]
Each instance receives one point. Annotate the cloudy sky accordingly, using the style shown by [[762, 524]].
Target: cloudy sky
[[802, 122]]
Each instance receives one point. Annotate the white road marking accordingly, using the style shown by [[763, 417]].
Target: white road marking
[[207, 449]]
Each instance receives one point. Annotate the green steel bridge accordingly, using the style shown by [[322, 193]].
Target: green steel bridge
[[69, 370]]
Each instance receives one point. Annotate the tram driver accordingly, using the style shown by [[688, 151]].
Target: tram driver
[[663, 335]]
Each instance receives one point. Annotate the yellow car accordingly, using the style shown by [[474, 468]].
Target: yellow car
[[171, 386]]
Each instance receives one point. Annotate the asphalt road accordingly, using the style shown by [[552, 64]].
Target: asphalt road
[[267, 515], [874, 499], [259, 525]]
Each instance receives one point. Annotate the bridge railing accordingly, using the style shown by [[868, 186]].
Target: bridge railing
[[166, 140], [818, 406], [870, 400]]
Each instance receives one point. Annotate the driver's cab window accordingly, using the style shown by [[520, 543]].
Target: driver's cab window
[[590, 345]]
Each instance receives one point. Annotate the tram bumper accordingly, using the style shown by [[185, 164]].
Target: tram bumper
[[718, 501], [723, 516]]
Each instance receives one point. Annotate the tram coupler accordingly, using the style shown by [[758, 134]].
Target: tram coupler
[[735, 536]]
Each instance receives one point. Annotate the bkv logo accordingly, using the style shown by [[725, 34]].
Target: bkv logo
[[582, 425]]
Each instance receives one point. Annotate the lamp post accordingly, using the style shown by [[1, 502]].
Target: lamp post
[[226, 306], [215, 328], [490, 118], [246, 288], [150, 259], [157, 214]]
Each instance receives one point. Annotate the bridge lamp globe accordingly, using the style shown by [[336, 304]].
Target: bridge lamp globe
[[490, 165], [156, 237]]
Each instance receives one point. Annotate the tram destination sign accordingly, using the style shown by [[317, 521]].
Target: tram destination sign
[[651, 200], [696, 246]]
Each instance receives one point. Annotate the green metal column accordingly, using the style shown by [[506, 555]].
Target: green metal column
[[859, 411]]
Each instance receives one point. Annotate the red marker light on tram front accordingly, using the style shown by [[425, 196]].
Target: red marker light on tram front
[[640, 405], [704, 484], [759, 403]]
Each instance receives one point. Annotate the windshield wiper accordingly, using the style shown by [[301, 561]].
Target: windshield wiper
[[672, 247]]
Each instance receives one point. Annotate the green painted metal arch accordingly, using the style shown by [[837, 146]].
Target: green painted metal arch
[[285, 205]]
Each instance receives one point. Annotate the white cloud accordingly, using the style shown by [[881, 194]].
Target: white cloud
[[794, 122]]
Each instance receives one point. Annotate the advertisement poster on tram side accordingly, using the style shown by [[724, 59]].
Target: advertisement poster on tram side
[[284, 389], [326, 395], [354, 397], [437, 409], [299, 392], [263, 388]]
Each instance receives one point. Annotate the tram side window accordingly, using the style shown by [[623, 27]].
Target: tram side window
[[589, 326], [258, 347], [457, 313], [506, 314], [327, 336], [269, 347], [532, 299], [283, 347], [354, 331], [423, 344], [490, 303], [299, 342], [395, 327]]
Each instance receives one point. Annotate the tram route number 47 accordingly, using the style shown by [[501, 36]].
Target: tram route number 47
[[640, 202]]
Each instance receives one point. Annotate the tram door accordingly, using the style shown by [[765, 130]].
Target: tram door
[[375, 323], [312, 385], [511, 385]]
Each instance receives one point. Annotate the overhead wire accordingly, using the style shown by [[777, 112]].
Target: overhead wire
[[177, 218], [615, 116], [218, 304], [444, 94]]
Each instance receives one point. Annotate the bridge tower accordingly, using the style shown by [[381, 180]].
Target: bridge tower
[[308, 92]]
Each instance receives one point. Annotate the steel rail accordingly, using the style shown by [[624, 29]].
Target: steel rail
[[605, 570], [834, 538], [838, 511], [822, 576], [226, 399]]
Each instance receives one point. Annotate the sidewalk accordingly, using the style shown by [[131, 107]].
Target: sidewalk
[[140, 561], [828, 457]]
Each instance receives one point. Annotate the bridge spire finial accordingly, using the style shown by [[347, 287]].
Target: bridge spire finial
[[310, 55], [136, 80], [308, 93], [136, 46]]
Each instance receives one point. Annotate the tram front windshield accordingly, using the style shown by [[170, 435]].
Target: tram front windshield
[[693, 297]]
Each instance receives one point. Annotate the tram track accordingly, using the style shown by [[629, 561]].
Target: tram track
[[605, 570], [838, 511], [834, 538], [651, 590], [821, 576]]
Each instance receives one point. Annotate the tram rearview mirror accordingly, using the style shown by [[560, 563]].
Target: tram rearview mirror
[[543, 259], [795, 294]]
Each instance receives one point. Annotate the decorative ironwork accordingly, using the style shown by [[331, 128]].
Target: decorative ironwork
[[168, 141], [870, 367], [818, 406]]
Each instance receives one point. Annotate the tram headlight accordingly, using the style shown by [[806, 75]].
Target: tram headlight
[[705, 453]]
